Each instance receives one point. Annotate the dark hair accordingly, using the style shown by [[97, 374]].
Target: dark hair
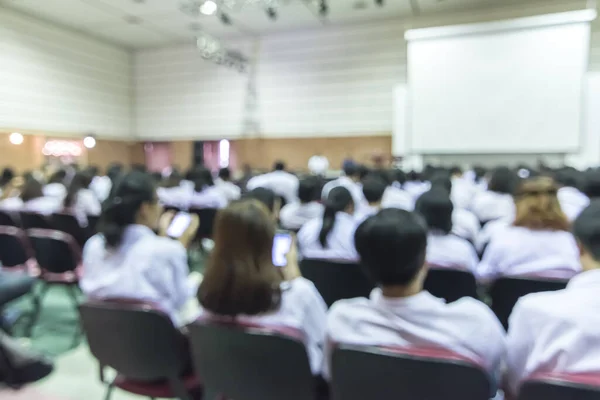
[[240, 277], [201, 177], [568, 177], [338, 200], [114, 171], [373, 188], [308, 189], [586, 229], [173, 180], [7, 176], [81, 180], [392, 246], [591, 186], [441, 180], [479, 172], [350, 169], [279, 166], [32, 189], [399, 176], [58, 177], [264, 196], [436, 208], [413, 176], [503, 180], [225, 174], [138, 167], [455, 170], [363, 171], [129, 193]]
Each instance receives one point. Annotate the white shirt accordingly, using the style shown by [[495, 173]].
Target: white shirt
[[452, 252], [556, 331], [56, 190], [462, 192], [354, 189], [293, 216], [340, 241], [572, 202], [516, 251], [489, 230], [178, 196], [101, 186], [318, 165], [365, 212], [416, 188], [282, 183], [185, 197], [394, 197], [210, 197], [467, 326], [488, 206], [145, 267], [86, 203], [41, 205], [231, 191], [465, 224], [302, 308]]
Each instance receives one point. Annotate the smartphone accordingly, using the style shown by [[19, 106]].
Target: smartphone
[[282, 243], [181, 221]]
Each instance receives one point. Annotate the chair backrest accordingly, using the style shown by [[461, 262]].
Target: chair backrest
[[249, 362], [450, 284], [505, 293], [8, 218], [68, 223], [31, 220], [561, 387], [56, 251], [92, 223], [207, 220], [360, 373], [337, 281], [134, 338], [15, 249]]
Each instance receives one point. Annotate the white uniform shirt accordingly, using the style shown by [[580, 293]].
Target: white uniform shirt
[[394, 197], [101, 186], [185, 197], [340, 241], [354, 188], [177, 196], [365, 212], [86, 203], [56, 190], [465, 224], [467, 326], [318, 165], [294, 216], [517, 251], [462, 192], [41, 205], [488, 206], [302, 308], [282, 183], [556, 331], [144, 267], [210, 197], [572, 202], [230, 190], [416, 188], [452, 252]]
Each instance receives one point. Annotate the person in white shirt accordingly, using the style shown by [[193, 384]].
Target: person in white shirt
[[351, 181], [241, 281], [294, 216], [374, 187], [56, 186], [230, 190], [538, 243], [571, 199], [279, 181], [395, 196], [31, 198], [559, 332], [497, 202], [392, 246], [444, 249], [126, 259], [332, 236], [6, 182], [462, 189], [204, 193], [80, 199], [318, 165]]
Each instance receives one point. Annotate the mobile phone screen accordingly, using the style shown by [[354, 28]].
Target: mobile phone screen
[[179, 224], [281, 246]]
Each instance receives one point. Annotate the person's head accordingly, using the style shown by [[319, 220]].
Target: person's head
[[81, 180], [363, 171], [58, 177], [456, 171], [538, 207], [503, 180], [7, 176], [479, 172], [436, 208], [133, 201], [338, 200], [586, 229], [173, 180], [279, 166], [413, 176], [114, 171], [399, 176], [373, 189], [32, 188], [441, 180], [591, 183], [93, 170], [225, 174], [568, 177], [240, 277], [392, 245], [201, 177], [308, 189], [268, 198], [351, 170]]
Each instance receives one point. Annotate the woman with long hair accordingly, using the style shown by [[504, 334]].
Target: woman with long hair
[[31, 198]]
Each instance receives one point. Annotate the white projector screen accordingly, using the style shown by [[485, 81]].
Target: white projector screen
[[491, 90]]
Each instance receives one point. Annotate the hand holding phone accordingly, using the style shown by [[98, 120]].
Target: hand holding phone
[[179, 224], [282, 244]]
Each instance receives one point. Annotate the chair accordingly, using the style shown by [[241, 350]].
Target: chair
[[142, 345], [31, 220], [68, 223], [8, 218], [561, 387], [450, 284], [207, 220], [505, 292], [360, 372], [251, 362], [337, 281], [16, 252]]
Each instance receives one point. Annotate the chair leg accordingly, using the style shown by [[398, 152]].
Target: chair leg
[[37, 307]]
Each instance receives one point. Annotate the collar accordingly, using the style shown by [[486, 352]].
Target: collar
[[421, 299], [587, 279]]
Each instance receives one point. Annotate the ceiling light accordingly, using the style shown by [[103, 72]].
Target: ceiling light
[[89, 142], [16, 138], [271, 13], [209, 7]]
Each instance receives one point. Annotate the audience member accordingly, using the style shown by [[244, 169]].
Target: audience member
[[80, 198], [6, 183], [32, 199], [268, 198], [127, 259], [395, 196], [230, 190], [537, 243], [392, 246], [373, 189], [241, 281], [350, 180], [497, 202], [332, 236], [415, 185], [205, 194], [279, 181], [462, 190], [559, 332], [293, 216], [571, 200], [318, 164], [591, 186], [56, 185]]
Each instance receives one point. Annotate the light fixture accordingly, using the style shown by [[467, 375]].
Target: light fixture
[[209, 7], [89, 142], [16, 138]]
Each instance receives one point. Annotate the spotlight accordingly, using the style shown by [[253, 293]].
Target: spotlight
[[89, 142], [323, 8], [225, 19], [209, 7], [16, 138], [271, 13]]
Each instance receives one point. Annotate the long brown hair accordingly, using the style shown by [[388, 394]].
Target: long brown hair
[[240, 277], [538, 207]]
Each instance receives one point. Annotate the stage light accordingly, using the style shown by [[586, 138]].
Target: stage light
[[89, 142], [209, 7], [16, 138]]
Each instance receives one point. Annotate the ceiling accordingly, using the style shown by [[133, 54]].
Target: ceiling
[[136, 24]]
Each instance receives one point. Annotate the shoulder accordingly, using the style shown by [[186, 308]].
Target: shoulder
[[163, 247], [303, 288], [95, 246], [538, 304], [475, 311], [344, 309], [310, 227]]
